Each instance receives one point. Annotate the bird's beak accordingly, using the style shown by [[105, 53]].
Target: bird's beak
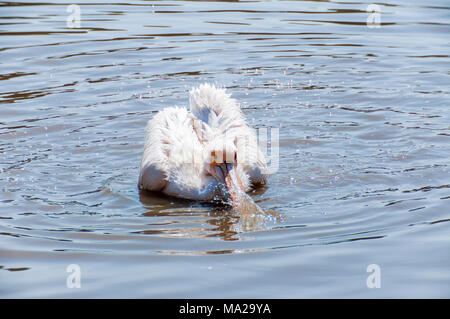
[[226, 173]]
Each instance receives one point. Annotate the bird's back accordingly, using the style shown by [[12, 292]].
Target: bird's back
[[172, 152]]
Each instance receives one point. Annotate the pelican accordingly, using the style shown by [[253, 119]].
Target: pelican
[[206, 153]]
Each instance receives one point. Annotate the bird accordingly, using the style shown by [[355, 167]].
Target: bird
[[205, 153]]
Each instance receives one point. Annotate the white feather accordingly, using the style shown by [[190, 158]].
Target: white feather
[[179, 142]]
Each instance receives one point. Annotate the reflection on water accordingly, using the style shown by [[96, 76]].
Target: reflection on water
[[363, 171], [187, 219]]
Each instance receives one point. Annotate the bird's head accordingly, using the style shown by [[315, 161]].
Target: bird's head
[[222, 161]]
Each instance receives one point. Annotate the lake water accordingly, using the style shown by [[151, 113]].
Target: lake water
[[361, 105]]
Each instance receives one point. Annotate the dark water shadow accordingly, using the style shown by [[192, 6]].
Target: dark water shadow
[[192, 219]]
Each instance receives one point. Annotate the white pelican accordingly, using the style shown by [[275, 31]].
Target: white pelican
[[205, 153]]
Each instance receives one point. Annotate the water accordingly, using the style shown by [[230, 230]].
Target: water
[[364, 127]]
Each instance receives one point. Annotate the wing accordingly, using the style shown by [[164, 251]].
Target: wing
[[251, 158], [172, 153]]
